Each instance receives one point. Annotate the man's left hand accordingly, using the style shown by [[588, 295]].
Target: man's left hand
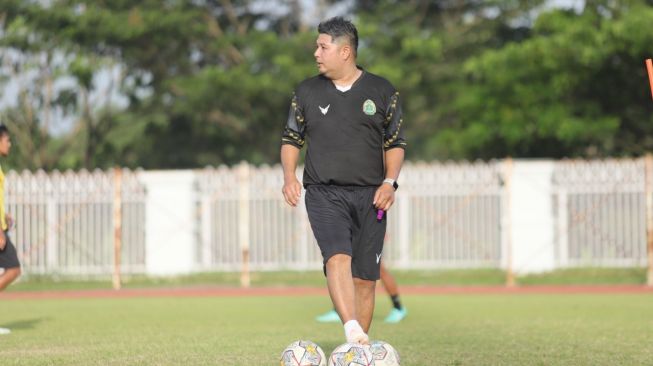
[[384, 197]]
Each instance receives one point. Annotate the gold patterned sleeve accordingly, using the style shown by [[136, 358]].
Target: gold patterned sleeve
[[293, 133], [393, 135]]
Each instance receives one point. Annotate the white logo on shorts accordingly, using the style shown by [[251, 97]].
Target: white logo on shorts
[[378, 257]]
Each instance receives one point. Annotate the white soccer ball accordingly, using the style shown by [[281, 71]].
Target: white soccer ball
[[384, 354], [351, 354], [303, 353]]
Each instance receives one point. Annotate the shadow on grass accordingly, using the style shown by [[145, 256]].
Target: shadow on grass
[[22, 324]]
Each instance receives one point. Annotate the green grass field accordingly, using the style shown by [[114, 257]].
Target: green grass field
[[516, 329], [458, 277]]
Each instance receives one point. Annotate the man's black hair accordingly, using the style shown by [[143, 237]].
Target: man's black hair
[[3, 130], [338, 27]]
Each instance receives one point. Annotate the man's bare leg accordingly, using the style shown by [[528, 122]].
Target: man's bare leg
[[343, 295], [364, 302], [8, 277], [341, 286]]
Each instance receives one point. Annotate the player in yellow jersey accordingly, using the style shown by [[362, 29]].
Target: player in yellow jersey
[[9, 264]]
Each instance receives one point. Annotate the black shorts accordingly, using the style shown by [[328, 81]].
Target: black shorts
[[8, 256], [344, 221]]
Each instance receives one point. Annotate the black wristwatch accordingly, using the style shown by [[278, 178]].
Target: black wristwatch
[[391, 182]]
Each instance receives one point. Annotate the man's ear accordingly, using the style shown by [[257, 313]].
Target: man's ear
[[345, 52]]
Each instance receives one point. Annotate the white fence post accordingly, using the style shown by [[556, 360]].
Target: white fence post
[[170, 222], [562, 230], [205, 233], [532, 221], [117, 227], [205, 215], [404, 231], [648, 167], [506, 222], [244, 220], [52, 228]]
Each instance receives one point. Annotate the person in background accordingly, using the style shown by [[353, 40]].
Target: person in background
[[9, 264]]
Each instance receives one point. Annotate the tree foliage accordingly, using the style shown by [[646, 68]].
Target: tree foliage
[[208, 82], [576, 87]]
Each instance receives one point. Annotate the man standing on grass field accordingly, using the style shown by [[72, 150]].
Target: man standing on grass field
[[9, 264], [351, 120]]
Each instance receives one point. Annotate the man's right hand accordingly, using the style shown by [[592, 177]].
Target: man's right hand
[[292, 191], [3, 240]]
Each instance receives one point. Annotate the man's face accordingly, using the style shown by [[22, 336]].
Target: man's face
[[328, 55], [5, 144]]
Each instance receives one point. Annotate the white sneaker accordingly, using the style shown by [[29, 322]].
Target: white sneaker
[[5, 331], [358, 336]]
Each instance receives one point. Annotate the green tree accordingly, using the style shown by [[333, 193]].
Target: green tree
[[54, 82], [209, 82], [422, 46], [575, 88]]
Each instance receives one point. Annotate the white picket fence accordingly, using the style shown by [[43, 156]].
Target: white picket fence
[[243, 207], [65, 224], [447, 215], [601, 213]]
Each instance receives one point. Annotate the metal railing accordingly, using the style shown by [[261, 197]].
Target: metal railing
[[447, 215], [600, 210], [64, 221]]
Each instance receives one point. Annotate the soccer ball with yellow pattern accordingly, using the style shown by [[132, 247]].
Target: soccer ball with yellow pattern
[[351, 354], [303, 353]]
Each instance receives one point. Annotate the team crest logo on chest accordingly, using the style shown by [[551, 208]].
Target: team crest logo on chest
[[369, 107]]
